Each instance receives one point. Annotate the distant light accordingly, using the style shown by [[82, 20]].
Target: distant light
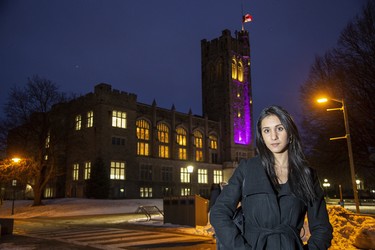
[[190, 169], [16, 160], [321, 100]]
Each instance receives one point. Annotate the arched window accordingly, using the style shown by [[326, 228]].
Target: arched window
[[143, 136], [240, 71], [163, 138], [181, 141], [213, 149], [234, 68], [198, 143]]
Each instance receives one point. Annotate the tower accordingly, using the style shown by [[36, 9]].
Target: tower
[[226, 93]]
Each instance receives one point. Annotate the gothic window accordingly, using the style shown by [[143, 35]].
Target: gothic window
[[240, 71], [181, 141], [143, 136], [213, 149], [198, 143], [234, 68], [163, 138]]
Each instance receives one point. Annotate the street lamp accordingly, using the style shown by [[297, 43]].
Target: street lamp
[[326, 185], [16, 160], [349, 143], [190, 170]]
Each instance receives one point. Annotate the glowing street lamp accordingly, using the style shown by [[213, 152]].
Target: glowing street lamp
[[349, 143], [16, 160], [326, 185]]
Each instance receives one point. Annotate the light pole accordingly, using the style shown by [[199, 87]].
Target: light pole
[[190, 170], [14, 183], [349, 143], [326, 185]]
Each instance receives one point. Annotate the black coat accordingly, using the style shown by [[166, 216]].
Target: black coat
[[273, 220]]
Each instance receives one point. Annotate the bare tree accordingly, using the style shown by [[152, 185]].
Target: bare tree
[[32, 133], [348, 72]]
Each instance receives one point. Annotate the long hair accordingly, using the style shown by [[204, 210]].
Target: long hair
[[299, 174]]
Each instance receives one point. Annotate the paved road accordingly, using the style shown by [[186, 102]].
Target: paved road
[[98, 232]]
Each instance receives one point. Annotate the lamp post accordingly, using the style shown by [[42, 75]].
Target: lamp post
[[14, 183], [349, 143], [190, 170], [326, 185]]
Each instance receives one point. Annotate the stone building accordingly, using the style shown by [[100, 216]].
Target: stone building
[[147, 151]]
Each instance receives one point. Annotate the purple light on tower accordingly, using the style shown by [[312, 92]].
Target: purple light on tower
[[241, 119]]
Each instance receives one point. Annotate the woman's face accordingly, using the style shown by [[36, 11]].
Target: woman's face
[[274, 134]]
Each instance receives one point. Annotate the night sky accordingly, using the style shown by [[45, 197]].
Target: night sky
[[152, 48]]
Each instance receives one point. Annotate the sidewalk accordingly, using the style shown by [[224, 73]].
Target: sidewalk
[[18, 242]]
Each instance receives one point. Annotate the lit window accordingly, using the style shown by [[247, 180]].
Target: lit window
[[240, 72], [48, 140], [234, 68], [145, 192], [117, 170], [185, 191], [163, 137], [90, 119], [218, 176], [213, 142], [87, 170], [143, 136], [49, 192], [202, 176], [181, 141], [118, 119], [198, 143], [184, 175], [75, 172], [78, 123]]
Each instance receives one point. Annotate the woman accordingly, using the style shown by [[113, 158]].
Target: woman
[[276, 189]]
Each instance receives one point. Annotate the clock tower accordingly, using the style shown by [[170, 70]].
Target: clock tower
[[227, 94]]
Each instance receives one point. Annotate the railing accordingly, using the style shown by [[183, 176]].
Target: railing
[[149, 211]]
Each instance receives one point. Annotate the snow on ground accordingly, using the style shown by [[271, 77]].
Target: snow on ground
[[349, 228]]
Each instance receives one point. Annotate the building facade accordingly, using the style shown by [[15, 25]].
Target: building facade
[[146, 151]]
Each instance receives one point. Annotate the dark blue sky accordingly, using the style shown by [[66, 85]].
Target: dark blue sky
[[152, 48]]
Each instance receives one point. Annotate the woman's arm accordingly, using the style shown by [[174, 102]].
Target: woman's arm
[[319, 225], [222, 212]]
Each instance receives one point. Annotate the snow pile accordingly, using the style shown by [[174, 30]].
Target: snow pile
[[74, 207], [350, 229]]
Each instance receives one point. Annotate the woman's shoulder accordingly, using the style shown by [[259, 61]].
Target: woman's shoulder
[[253, 161], [252, 164]]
